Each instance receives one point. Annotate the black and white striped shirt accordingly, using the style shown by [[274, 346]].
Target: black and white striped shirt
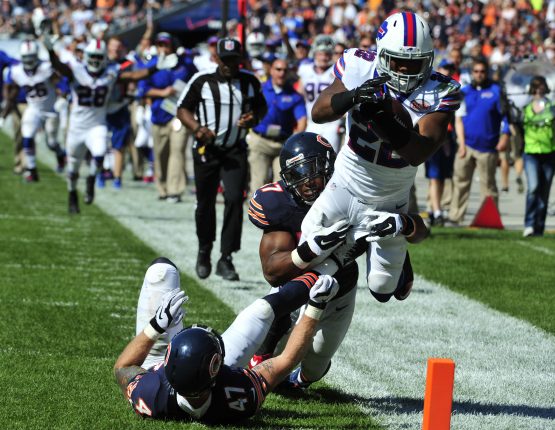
[[218, 103]]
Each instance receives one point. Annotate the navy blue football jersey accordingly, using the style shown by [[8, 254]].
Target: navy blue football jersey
[[273, 208], [237, 395]]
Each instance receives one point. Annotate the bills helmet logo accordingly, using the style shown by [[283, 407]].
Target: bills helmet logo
[[420, 106], [382, 31]]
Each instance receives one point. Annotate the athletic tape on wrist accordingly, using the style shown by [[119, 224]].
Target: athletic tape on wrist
[[297, 260], [151, 332], [313, 312]]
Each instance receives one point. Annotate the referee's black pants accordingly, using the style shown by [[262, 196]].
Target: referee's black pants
[[231, 168]]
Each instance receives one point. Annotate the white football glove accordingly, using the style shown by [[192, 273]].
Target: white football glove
[[325, 289], [321, 240], [169, 313], [49, 40], [166, 61], [384, 225]]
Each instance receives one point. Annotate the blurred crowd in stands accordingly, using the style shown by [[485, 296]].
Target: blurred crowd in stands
[[502, 32]]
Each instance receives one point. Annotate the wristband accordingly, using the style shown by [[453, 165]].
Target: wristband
[[342, 102], [151, 332], [298, 261], [409, 229], [313, 312], [305, 253]]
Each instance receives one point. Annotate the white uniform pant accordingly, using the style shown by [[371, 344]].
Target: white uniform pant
[[329, 335], [385, 258], [159, 279], [78, 141], [33, 120]]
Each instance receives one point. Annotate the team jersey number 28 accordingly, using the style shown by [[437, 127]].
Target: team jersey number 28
[[95, 97]]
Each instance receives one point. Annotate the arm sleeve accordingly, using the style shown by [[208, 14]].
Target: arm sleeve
[[191, 96], [300, 108]]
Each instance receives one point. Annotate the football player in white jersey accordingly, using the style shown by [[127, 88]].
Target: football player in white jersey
[[91, 84], [376, 168], [314, 78], [38, 80]]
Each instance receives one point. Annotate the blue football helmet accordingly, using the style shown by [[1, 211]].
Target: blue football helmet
[[193, 360], [303, 157]]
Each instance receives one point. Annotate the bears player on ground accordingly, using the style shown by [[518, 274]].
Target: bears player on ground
[[39, 81], [91, 85], [197, 380], [314, 78], [376, 169]]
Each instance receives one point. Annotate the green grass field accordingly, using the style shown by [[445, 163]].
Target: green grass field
[[69, 287]]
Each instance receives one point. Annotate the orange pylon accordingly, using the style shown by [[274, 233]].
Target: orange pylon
[[438, 399]]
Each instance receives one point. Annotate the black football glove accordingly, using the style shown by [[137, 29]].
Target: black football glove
[[371, 91]]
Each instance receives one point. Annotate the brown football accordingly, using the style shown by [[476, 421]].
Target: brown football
[[401, 114]]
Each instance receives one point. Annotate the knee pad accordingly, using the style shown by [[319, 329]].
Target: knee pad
[[28, 143], [162, 275], [72, 176]]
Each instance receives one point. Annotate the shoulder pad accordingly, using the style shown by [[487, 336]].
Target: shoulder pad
[[267, 205]]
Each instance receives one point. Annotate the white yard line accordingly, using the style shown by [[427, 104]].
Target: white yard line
[[505, 374], [541, 249]]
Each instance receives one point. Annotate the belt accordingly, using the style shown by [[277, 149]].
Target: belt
[[272, 138]]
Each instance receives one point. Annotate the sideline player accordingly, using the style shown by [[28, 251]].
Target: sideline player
[[314, 78], [197, 380], [38, 80], [376, 169], [91, 85]]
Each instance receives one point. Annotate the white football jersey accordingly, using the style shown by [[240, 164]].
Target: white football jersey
[[40, 91], [90, 95], [313, 84], [371, 169]]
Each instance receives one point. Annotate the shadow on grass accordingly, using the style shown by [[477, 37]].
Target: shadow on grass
[[386, 405]]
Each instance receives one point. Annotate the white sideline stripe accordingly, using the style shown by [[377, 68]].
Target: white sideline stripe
[[536, 247], [505, 374]]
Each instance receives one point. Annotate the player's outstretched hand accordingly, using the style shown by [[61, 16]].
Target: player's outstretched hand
[[166, 61], [383, 225], [49, 40], [325, 289], [170, 312], [371, 91]]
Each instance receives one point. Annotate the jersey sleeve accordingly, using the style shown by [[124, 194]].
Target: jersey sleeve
[[142, 392], [266, 206], [191, 95], [451, 100]]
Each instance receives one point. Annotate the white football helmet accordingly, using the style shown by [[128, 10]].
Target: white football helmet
[[95, 55], [29, 52], [405, 36], [322, 51], [255, 44]]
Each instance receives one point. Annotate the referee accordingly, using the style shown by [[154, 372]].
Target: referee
[[218, 108]]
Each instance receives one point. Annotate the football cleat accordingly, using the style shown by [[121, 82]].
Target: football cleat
[[257, 359], [73, 203], [294, 381], [31, 175], [100, 181], [89, 194]]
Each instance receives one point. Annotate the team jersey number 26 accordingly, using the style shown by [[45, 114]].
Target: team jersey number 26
[[95, 97]]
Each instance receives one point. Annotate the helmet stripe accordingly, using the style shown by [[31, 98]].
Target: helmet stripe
[[410, 28], [98, 46]]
